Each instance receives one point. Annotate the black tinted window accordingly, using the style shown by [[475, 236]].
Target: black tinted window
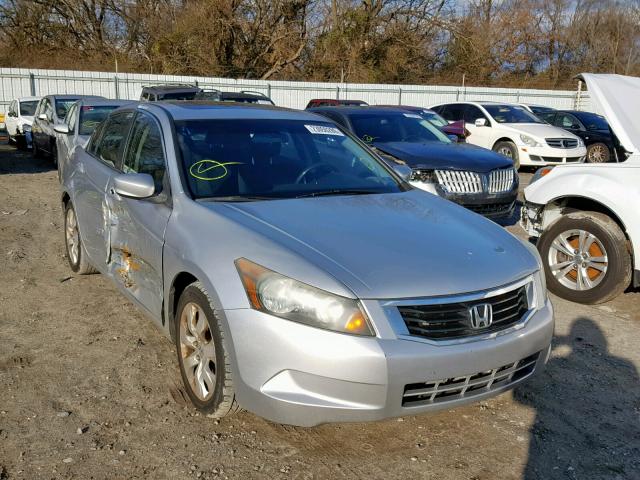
[[144, 153], [473, 113], [28, 108], [91, 117], [62, 106], [114, 135], [453, 112]]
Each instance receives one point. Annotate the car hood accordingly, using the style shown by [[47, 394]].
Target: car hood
[[539, 130], [617, 98], [436, 155], [401, 245]]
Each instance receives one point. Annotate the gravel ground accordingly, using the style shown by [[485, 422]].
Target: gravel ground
[[90, 389]]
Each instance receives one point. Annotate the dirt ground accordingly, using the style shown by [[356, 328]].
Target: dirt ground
[[88, 388]]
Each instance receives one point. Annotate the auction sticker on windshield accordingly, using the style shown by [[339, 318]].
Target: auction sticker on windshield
[[323, 130]]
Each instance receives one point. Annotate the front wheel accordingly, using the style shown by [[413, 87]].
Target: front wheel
[[76, 254], [598, 153], [586, 258], [509, 150], [203, 355]]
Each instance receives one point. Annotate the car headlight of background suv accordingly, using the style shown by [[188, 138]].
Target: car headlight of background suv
[[284, 297], [580, 142], [530, 141]]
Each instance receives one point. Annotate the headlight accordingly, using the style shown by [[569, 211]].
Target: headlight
[[527, 140], [580, 142], [424, 176], [537, 292], [541, 172], [284, 297]]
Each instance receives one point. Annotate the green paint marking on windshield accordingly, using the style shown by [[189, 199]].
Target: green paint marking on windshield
[[368, 138], [210, 170]]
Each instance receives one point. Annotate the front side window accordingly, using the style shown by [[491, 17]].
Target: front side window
[[113, 138], [70, 119], [565, 120], [238, 160], [28, 108], [63, 105], [396, 127], [144, 152], [511, 114], [473, 113], [594, 122], [47, 109], [91, 117]]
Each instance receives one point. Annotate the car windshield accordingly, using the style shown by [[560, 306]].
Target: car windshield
[[63, 105], [91, 116], [27, 109], [396, 127], [241, 160], [511, 114], [594, 122]]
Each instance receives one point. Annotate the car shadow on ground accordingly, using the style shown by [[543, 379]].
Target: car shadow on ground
[[586, 400], [14, 161]]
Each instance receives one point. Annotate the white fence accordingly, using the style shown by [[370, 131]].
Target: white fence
[[19, 82]]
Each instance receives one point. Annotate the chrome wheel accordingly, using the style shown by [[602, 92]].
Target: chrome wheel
[[197, 351], [506, 151], [72, 236], [598, 154], [578, 260]]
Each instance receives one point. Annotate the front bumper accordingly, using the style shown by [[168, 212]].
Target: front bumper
[[491, 205], [531, 218], [541, 156], [293, 374]]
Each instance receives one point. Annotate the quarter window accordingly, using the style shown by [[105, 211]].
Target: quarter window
[[144, 153], [113, 138]]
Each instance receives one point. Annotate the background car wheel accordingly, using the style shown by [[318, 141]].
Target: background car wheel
[[37, 153], [598, 153], [508, 149], [586, 258], [203, 355], [76, 254]]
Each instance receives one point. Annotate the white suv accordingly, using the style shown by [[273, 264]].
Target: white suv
[[19, 118], [586, 216], [515, 132]]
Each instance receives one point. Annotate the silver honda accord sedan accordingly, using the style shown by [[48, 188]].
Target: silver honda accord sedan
[[298, 275]]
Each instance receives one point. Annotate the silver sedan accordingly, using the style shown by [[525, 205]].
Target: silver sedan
[[298, 275]]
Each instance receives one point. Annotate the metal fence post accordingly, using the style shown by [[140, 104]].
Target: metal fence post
[[576, 103], [32, 84], [399, 96], [337, 92], [457, 94], [116, 86], [269, 90]]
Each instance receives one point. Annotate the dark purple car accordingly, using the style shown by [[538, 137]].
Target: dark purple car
[[453, 128]]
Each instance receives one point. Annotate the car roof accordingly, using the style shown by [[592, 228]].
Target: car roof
[[579, 112], [100, 102], [171, 88], [72, 97], [28, 99], [411, 108], [357, 110], [208, 110]]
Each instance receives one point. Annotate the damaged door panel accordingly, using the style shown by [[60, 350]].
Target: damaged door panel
[[137, 226]]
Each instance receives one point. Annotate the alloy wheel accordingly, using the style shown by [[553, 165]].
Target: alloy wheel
[[578, 260], [72, 236], [198, 352], [506, 152], [597, 154]]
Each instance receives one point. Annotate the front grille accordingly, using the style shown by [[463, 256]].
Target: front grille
[[454, 181], [490, 209], [447, 321], [560, 159], [501, 180], [448, 389], [562, 142]]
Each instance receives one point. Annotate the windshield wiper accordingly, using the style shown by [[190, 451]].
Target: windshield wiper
[[237, 198], [337, 191]]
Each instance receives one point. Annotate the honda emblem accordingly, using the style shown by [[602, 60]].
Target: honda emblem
[[481, 316]]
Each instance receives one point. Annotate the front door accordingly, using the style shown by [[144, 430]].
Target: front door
[[138, 225]]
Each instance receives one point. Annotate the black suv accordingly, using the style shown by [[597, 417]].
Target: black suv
[[602, 145], [192, 92]]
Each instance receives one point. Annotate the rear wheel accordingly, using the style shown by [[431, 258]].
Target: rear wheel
[[598, 153], [509, 150], [37, 153], [203, 355], [586, 258]]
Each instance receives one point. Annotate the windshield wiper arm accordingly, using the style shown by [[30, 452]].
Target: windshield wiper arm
[[336, 191], [236, 198]]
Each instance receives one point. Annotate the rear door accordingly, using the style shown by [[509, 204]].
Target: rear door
[[93, 173], [138, 225]]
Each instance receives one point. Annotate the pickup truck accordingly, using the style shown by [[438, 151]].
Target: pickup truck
[[585, 216]]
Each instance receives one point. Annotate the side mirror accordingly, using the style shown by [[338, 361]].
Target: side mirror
[[62, 128], [453, 138], [403, 171], [481, 122], [11, 114], [43, 116], [134, 185]]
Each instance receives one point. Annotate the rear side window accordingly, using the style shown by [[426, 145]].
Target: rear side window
[[114, 135], [453, 112], [144, 153]]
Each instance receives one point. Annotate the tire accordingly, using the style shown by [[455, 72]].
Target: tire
[[509, 150], [202, 347], [598, 153], [608, 261], [37, 153], [12, 141], [76, 254]]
